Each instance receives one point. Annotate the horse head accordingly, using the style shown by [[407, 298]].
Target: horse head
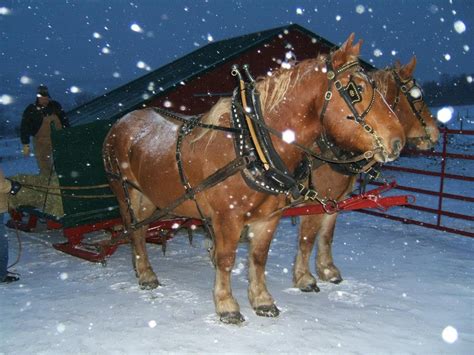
[[356, 116], [407, 101]]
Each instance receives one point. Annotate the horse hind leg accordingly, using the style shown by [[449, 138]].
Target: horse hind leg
[[143, 208], [132, 205]]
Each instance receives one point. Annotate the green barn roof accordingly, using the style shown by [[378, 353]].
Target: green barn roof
[[132, 95]]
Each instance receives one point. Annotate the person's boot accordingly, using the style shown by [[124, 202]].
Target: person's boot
[[10, 278]]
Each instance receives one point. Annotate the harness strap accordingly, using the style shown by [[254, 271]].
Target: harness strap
[[218, 176], [195, 120]]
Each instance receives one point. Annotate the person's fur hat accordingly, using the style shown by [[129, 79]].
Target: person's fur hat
[[43, 91]]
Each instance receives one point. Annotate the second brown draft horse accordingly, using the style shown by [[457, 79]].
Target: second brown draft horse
[[140, 153], [405, 96]]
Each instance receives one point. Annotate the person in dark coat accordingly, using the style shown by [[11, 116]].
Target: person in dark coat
[[7, 187], [36, 122]]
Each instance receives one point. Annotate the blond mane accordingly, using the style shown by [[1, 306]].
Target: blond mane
[[272, 88]]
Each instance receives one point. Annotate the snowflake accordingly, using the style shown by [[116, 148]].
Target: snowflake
[[136, 28], [459, 26], [360, 9]]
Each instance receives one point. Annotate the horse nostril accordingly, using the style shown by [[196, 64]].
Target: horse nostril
[[396, 146]]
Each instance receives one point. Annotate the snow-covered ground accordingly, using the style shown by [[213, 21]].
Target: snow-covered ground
[[403, 286], [406, 289]]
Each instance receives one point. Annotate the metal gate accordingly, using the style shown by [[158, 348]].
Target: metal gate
[[442, 182]]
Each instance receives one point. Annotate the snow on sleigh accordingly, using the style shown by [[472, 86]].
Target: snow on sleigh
[[88, 212]]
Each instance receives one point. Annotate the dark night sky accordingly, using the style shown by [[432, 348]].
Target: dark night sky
[[52, 41]]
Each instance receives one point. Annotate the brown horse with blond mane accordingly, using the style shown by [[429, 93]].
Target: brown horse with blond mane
[[140, 154], [404, 95]]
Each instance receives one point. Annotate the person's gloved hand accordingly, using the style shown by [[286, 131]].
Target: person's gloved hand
[[16, 186], [26, 150]]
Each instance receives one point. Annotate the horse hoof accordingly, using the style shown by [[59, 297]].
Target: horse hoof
[[336, 280], [149, 285], [232, 318], [267, 311], [310, 288]]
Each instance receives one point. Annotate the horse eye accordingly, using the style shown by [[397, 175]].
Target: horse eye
[[360, 88]]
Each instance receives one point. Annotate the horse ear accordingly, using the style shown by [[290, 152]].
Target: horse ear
[[340, 56], [348, 43], [408, 70], [355, 50]]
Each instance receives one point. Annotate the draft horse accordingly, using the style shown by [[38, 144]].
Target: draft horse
[[405, 97], [159, 165]]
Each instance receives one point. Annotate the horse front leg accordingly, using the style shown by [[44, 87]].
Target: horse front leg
[[325, 267], [260, 237], [302, 277], [226, 233]]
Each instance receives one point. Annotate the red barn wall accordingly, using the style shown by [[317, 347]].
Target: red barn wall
[[188, 98]]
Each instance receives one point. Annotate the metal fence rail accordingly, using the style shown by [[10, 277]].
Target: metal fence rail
[[444, 215]]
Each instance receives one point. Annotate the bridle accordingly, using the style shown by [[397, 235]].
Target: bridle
[[351, 96], [405, 87]]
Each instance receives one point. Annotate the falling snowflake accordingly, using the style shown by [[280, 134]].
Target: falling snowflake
[[360, 9], [449, 334], [5, 11], [445, 114], [299, 11], [415, 93], [167, 104], [106, 50], [466, 47], [378, 52], [6, 99], [447, 56], [210, 38], [97, 35], [25, 80], [459, 26], [288, 136], [116, 74], [74, 89], [175, 226], [152, 324], [338, 18], [469, 79], [60, 328], [136, 28], [394, 52]]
